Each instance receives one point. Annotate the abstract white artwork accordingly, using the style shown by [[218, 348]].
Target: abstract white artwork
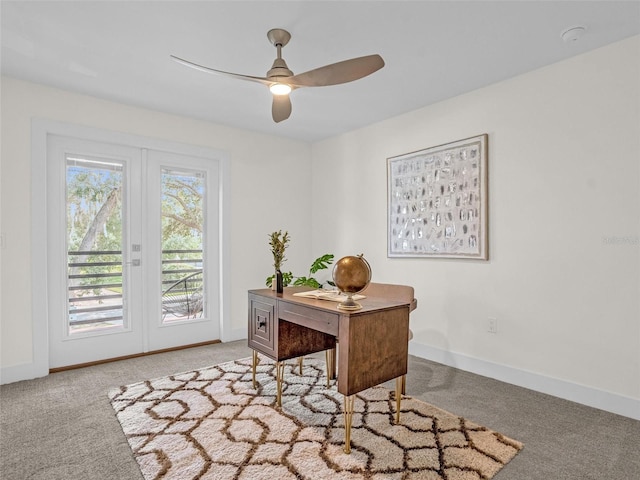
[[437, 201]]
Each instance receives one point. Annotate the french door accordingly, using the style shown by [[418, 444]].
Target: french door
[[132, 250]]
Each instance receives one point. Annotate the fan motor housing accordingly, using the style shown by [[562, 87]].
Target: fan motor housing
[[279, 69]]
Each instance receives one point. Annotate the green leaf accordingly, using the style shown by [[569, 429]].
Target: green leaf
[[321, 263], [286, 279], [306, 282]]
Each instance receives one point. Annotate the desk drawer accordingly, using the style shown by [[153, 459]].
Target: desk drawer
[[313, 318], [262, 324]]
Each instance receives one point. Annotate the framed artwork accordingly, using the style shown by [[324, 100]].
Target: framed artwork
[[437, 201]]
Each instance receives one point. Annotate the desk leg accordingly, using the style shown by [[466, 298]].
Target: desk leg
[[279, 376], [254, 364], [348, 419], [399, 388]]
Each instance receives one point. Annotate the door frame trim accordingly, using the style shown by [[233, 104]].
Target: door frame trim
[[40, 129]]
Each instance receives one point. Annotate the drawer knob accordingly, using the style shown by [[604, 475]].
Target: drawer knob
[[261, 323]]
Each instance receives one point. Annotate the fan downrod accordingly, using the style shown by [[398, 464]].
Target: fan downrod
[[278, 36]]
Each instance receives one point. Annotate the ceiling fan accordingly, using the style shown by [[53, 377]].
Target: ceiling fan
[[281, 81]]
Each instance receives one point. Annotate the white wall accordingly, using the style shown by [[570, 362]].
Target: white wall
[[564, 215], [564, 227], [265, 173]]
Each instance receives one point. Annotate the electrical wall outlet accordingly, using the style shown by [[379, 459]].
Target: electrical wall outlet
[[492, 325]]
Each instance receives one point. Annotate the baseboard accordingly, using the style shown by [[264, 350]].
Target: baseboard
[[592, 397], [235, 334], [25, 371]]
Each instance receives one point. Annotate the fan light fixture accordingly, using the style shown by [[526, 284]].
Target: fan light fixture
[[333, 74], [280, 89]]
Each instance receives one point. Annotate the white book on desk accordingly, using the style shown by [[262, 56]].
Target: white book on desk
[[331, 295]]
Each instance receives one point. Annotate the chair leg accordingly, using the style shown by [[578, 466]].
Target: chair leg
[[300, 359], [399, 385], [330, 359], [404, 384]]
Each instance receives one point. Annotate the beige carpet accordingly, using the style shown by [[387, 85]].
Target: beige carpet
[[211, 424]]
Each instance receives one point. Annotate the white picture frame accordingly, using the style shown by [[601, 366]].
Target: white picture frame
[[437, 201]]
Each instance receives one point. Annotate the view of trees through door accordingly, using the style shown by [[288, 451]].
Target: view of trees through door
[[95, 240], [182, 244]]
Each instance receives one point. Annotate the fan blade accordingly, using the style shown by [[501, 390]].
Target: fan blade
[[337, 73], [202, 68], [281, 108]]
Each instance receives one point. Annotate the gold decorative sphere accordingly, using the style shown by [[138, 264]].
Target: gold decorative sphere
[[351, 275]]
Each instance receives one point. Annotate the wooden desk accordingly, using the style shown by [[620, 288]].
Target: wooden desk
[[374, 341]]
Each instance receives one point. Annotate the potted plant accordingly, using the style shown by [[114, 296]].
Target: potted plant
[[319, 263], [278, 242]]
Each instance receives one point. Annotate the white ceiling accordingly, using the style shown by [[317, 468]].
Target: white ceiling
[[433, 50]]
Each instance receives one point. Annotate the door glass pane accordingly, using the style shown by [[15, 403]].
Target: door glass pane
[[94, 245], [183, 195]]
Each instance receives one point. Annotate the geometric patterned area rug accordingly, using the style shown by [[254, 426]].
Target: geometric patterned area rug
[[211, 424]]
